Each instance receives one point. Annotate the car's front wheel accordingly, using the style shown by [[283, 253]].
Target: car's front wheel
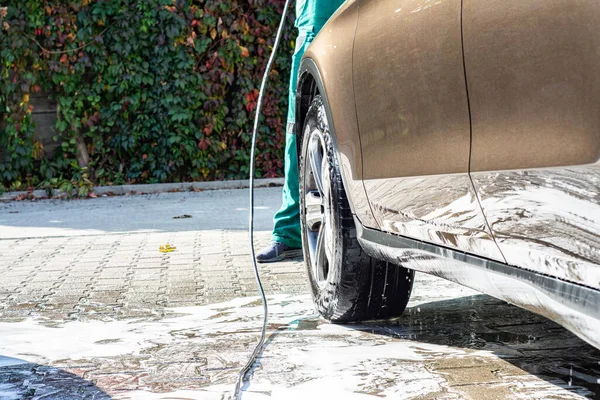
[[347, 284]]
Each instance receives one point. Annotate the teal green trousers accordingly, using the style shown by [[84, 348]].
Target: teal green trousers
[[311, 15]]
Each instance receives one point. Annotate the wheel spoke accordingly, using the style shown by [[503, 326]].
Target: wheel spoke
[[320, 255], [314, 213], [315, 153]]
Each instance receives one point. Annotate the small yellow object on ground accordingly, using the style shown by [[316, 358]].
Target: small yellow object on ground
[[167, 248]]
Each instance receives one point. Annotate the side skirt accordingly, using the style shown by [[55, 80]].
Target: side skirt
[[574, 306]]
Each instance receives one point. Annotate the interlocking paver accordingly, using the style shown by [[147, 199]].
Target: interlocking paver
[[115, 266]]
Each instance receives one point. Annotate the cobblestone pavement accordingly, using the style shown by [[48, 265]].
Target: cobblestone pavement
[[72, 259], [89, 308]]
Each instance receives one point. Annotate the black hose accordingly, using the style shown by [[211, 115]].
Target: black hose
[[244, 372]]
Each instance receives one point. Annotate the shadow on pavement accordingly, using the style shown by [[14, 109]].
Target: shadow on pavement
[[530, 342], [22, 380]]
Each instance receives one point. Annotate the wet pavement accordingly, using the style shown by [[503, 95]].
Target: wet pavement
[[90, 309]]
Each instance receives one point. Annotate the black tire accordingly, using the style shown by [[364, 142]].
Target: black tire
[[352, 286]]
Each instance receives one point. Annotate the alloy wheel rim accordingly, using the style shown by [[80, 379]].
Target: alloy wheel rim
[[319, 210]]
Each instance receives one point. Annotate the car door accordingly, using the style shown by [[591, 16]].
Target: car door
[[413, 119], [533, 73]]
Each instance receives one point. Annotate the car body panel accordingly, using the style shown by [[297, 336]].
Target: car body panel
[[546, 220], [411, 100], [413, 119], [574, 306], [533, 74], [331, 57], [448, 215]]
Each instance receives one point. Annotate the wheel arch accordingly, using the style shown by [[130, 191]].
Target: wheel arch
[[347, 146], [308, 87]]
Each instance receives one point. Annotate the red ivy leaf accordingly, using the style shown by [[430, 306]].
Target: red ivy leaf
[[251, 100], [203, 144]]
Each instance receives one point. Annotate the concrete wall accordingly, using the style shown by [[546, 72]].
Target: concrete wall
[[44, 116]]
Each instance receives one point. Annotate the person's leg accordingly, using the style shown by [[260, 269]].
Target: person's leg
[[286, 238], [286, 227]]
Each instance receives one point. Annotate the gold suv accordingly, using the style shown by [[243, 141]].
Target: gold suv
[[460, 139]]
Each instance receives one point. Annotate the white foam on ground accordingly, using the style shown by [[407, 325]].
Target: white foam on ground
[[299, 361], [305, 357], [74, 340]]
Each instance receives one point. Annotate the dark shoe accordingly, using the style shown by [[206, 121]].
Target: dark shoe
[[277, 251]]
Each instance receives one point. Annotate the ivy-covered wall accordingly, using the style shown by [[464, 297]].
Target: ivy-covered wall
[[147, 90]]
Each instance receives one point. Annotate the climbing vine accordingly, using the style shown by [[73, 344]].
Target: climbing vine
[[147, 90]]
